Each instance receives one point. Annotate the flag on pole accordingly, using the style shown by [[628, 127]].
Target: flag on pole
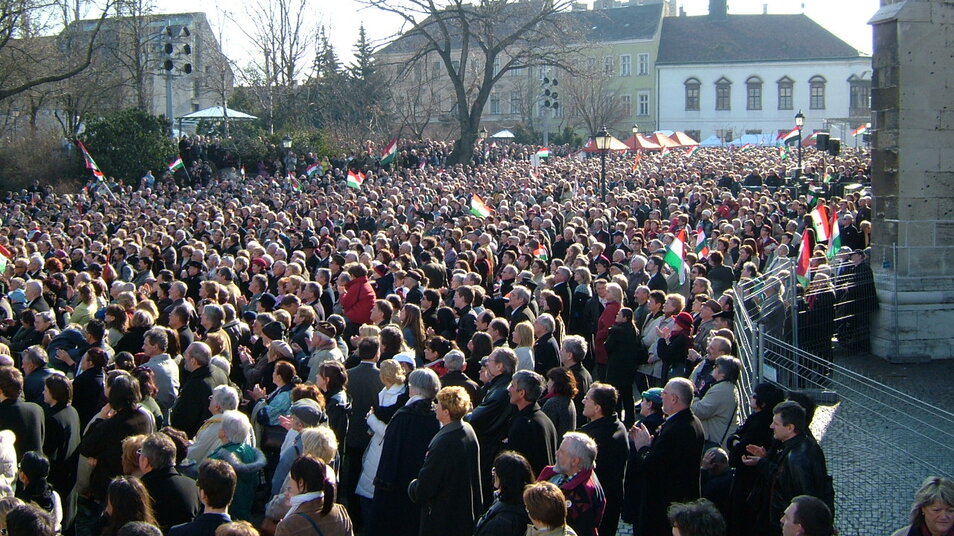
[[422, 163], [176, 164], [746, 147], [812, 199], [784, 152], [543, 152], [90, 163], [702, 243], [5, 257], [675, 255], [590, 144], [834, 243], [692, 151], [636, 159], [803, 266], [355, 180], [792, 134], [665, 151], [821, 222], [389, 153], [541, 253], [478, 207], [294, 182], [860, 130], [312, 169]]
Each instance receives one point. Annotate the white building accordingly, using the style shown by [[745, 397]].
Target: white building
[[729, 75]]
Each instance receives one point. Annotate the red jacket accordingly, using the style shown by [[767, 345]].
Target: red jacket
[[606, 321], [358, 300]]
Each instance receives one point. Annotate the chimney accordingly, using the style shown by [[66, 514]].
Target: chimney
[[682, 11], [765, 9], [718, 9]]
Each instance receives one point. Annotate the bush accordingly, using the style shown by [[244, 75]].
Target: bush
[[40, 155], [127, 143]]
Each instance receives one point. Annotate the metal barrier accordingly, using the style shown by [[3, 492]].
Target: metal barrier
[[879, 443]]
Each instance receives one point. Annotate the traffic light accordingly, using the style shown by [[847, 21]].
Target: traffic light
[[177, 49]]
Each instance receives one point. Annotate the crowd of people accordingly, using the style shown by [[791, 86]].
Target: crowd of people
[[251, 355]]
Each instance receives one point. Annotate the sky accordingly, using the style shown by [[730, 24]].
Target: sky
[[845, 18]]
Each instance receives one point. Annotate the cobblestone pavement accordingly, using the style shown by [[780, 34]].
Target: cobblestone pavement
[[878, 444]]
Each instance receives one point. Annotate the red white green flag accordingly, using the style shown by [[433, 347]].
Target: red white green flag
[[176, 164], [784, 152], [821, 222], [355, 180], [543, 152], [312, 169], [478, 207], [834, 244], [791, 135], [294, 182], [803, 267], [860, 130], [541, 253], [676, 254], [665, 151], [746, 147], [5, 257], [692, 151], [90, 163], [636, 159], [702, 243], [389, 152]]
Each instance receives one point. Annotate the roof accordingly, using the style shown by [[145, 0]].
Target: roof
[[600, 25], [216, 112], [748, 38]]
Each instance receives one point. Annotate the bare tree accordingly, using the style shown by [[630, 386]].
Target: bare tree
[[592, 99], [477, 44], [17, 18], [412, 110]]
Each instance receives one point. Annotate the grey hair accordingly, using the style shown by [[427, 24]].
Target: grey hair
[[226, 397], [522, 293], [200, 352], [36, 355], [530, 383], [575, 345], [730, 367], [582, 446], [425, 381], [454, 360], [214, 312], [158, 337], [47, 317], [682, 388], [222, 363], [934, 489], [565, 272], [507, 357], [546, 320], [319, 441], [235, 426]]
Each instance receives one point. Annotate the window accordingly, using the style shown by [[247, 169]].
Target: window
[[694, 134], [785, 86], [642, 64], [625, 65], [494, 104], [435, 70], [723, 94], [753, 93], [724, 134], [859, 92], [496, 66], [816, 93], [626, 105], [608, 65], [753, 132], [692, 94], [642, 103], [515, 107]]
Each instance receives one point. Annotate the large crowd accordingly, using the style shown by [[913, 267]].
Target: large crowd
[[237, 353]]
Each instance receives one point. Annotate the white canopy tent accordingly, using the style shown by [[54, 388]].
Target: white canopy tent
[[503, 135], [212, 113], [711, 141]]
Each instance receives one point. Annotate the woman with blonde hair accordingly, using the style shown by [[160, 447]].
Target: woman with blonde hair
[[412, 327], [614, 301], [524, 339], [130, 461], [932, 513]]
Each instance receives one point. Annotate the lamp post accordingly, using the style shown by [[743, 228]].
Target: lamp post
[[483, 133], [603, 144], [799, 121], [286, 144], [635, 133]]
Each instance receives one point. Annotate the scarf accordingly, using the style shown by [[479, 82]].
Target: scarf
[[300, 499]]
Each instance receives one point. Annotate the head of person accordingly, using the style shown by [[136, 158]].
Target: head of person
[[157, 452], [309, 475], [139, 528], [696, 518], [320, 441], [452, 404], [28, 520], [562, 382], [727, 368], [577, 452], [123, 391], [808, 516], [677, 395], [788, 420], [423, 382], [765, 396], [216, 483], [511, 473], [11, 382], [235, 428], [502, 361], [197, 355], [34, 471], [546, 505], [600, 401], [573, 350], [332, 377], [454, 361], [526, 387], [128, 500], [933, 507], [57, 390]]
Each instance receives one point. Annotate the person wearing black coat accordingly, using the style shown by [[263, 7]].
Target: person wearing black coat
[[61, 444], [673, 347], [24, 419], [612, 450], [622, 346], [491, 419], [531, 432], [448, 486], [546, 351], [650, 416], [405, 445], [670, 462], [175, 497], [191, 408], [507, 516], [89, 386]]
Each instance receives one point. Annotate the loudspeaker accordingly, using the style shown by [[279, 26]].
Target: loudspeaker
[[821, 141], [834, 146]]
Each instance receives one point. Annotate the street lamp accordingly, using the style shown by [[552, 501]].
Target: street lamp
[[286, 144], [482, 133], [635, 129], [603, 139], [799, 121]]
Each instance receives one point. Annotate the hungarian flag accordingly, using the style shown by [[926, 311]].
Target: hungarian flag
[[812, 199], [746, 147], [389, 153], [791, 135], [702, 243], [665, 151], [90, 163], [590, 144], [803, 266], [422, 163], [5, 257], [355, 180], [478, 207], [692, 151], [541, 253], [821, 222], [834, 244], [636, 159], [784, 152], [294, 182], [176, 164], [675, 255], [860, 130], [543, 152], [312, 169], [811, 139]]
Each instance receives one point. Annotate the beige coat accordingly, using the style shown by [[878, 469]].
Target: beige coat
[[718, 411]]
